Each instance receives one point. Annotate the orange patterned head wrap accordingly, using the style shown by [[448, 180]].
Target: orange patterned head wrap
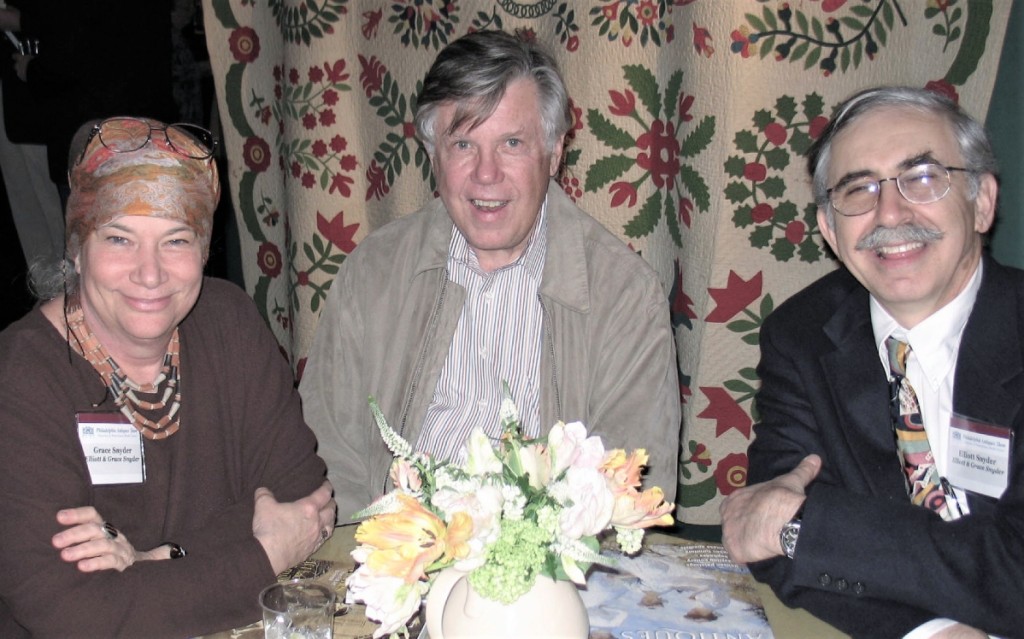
[[170, 175]]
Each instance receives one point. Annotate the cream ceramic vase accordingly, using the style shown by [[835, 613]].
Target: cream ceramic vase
[[550, 609]]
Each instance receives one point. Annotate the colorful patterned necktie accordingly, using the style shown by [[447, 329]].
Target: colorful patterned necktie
[[923, 482]]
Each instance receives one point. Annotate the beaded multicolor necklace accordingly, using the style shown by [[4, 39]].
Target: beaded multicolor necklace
[[164, 395]]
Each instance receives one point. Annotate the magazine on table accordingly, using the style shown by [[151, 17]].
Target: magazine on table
[[674, 591]]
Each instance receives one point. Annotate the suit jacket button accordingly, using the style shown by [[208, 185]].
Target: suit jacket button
[[841, 585], [858, 588], [824, 579]]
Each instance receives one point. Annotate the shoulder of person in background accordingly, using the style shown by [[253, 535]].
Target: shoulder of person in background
[[10, 18]]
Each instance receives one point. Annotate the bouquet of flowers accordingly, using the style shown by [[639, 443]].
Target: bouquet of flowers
[[509, 513]]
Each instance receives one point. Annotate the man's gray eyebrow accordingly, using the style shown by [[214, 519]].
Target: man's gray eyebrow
[[917, 160], [850, 177]]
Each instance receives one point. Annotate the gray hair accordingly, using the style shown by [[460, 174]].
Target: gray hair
[[474, 71], [973, 141], [48, 278]]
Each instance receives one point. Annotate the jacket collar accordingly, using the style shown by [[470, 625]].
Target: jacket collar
[[565, 278], [565, 269], [437, 237]]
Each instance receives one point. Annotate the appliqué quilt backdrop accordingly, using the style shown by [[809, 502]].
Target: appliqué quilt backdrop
[[691, 118]]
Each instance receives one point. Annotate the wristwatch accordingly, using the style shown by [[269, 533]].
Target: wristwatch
[[177, 552], [789, 535], [791, 532]]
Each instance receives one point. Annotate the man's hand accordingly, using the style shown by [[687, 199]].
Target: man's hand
[[292, 531], [753, 516], [89, 544], [960, 631]]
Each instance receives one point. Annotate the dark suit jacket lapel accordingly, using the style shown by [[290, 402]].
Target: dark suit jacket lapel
[[860, 392], [990, 353]]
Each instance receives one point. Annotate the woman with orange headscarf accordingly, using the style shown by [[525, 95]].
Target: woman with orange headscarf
[[149, 422]]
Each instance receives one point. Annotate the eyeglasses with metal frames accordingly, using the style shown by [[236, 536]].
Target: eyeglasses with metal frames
[[920, 184], [124, 135]]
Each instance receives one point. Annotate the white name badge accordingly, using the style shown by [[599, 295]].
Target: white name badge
[[112, 447], [979, 456]]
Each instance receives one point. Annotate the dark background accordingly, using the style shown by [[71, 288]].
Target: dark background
[[194, 96], [16, 299]]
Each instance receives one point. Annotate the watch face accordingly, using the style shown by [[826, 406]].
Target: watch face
[[788, 537]]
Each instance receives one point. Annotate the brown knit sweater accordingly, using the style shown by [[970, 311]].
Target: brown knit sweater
[[241, 428]]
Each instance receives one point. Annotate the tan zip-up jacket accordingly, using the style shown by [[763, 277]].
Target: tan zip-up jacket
[[608, 359]]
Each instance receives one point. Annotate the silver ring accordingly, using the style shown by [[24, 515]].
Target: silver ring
[[109, 531]]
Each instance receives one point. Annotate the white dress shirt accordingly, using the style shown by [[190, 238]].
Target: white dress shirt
[[498, 339]]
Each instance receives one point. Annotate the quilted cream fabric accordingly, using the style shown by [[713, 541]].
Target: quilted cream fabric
[[691, 119]]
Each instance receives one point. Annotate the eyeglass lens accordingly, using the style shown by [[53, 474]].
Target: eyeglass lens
[[123, 135], [184, 138], [921, 184]]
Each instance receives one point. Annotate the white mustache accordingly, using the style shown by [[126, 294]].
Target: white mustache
[[884, 235]]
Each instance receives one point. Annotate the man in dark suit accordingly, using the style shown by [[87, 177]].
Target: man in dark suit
[[885, 509]]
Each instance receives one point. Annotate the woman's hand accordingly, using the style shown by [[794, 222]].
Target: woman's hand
[[91, 545], [291, 531]]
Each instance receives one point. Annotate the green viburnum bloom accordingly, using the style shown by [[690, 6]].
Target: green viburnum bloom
[[512, 562]]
